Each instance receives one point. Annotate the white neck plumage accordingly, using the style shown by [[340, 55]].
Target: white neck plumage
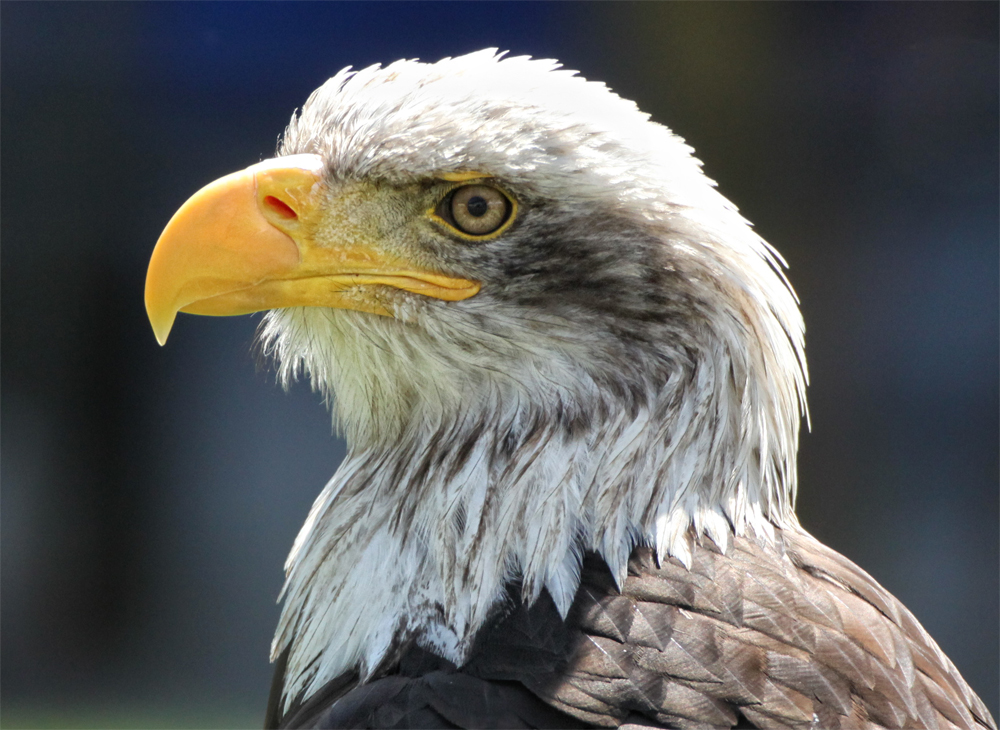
[[513, 477]]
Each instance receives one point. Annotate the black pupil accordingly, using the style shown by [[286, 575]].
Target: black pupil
[[477, 206]]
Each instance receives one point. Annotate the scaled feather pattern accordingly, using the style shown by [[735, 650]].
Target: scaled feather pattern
[[568, 498]]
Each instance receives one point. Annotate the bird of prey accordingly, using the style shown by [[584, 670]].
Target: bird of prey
[[571, 379]]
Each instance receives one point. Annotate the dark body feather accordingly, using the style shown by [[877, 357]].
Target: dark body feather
[[790, 636]]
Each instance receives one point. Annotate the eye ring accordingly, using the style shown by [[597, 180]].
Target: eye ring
[[476, 212]]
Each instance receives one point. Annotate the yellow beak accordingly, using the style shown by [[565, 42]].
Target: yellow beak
[[245, 243]]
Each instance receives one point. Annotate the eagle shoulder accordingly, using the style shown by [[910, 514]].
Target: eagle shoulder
[[790, 635]]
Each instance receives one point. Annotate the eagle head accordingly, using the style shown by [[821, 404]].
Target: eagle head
[[541, 330]]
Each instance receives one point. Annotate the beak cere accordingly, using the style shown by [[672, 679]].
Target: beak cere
[[244, 243]]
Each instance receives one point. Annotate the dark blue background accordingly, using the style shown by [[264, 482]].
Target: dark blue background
[[150, 495]]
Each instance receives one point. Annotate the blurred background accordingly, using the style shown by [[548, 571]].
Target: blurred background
[[149, 496]]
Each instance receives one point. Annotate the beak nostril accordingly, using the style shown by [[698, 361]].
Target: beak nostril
[[280, 207]]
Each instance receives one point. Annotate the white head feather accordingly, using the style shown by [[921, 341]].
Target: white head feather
[[491, 440]]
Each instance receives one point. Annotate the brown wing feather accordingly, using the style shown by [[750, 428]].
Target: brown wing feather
[[787, 637]]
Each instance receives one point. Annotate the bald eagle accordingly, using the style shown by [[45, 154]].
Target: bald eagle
[[571, 379]]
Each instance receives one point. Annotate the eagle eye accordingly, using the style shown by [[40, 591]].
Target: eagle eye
[[476, 210]]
